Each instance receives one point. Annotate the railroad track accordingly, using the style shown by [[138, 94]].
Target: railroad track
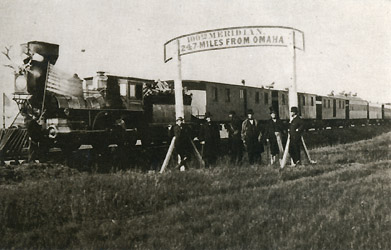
[[14, 150]]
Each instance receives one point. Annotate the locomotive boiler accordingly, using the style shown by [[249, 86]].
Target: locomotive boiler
[[100, 110]]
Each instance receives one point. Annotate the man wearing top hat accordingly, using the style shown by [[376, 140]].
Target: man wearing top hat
[[251, 136], [273, 134], [296, 127], [210, 140]]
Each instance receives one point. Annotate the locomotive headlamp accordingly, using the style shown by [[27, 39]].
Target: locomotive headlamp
[[36, 72], [52, 132], [20, 84]]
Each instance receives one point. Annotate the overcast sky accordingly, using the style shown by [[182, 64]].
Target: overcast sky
[[348, 43]]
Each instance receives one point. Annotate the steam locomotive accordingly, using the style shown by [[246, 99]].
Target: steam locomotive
[[99, 111]]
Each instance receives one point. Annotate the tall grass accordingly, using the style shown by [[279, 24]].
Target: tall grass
[[342, 202], [322, 138]]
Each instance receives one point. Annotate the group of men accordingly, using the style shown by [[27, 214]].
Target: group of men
[[209, 136], [249, 136], [253, 136]]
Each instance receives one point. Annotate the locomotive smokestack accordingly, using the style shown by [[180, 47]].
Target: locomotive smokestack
[[39, 54]]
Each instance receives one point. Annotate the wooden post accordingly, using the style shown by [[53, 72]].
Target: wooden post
[[168, 155], [293, 102], [279, 142], [198, 155], [283, 162], [307, 153], [179, 109]]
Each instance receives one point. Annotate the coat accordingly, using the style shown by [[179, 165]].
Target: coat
[[251, 136], [271, 131], [34, 130], [272, 127], [234, 128], [182, 141], [210, 134], [296, 128]]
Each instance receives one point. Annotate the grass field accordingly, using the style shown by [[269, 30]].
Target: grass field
[[342, 202]]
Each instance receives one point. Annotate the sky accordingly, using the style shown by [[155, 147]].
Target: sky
[[348, 42]]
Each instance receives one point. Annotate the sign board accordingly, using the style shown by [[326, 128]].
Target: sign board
[[235, 37]]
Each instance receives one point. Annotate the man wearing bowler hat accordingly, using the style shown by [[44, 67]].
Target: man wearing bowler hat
[[251, 136], [182, 141], [210, 140], [296, 127]]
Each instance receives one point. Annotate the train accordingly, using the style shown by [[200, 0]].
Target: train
[[317, 111], [109, 109]]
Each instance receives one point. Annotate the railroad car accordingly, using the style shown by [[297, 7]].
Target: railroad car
[[220, 98], [331, 111], [307, 108], [280, 103], [386, 112], [374, 113], [358, 111]]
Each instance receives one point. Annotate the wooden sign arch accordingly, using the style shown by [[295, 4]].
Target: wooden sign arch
[[233, 37]]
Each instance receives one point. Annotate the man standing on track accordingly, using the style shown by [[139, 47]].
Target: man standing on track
[[296, 127]]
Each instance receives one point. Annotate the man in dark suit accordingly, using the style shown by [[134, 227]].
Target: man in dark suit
[[210, 140], [251, 136], [296, 127], [182, 141], [273, 134], [234, 128], [37, 149]]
